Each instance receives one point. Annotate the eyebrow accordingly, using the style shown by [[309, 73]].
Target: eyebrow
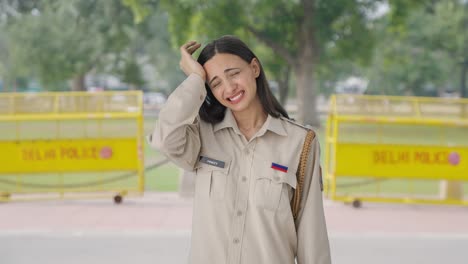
[[226, 70]]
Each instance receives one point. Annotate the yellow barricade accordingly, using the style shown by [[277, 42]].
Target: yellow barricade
[[397, 149], [71, 145]]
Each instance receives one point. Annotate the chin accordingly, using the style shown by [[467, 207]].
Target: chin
[[237, 109]]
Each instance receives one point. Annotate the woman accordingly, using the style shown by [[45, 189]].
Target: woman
[[224, 123]]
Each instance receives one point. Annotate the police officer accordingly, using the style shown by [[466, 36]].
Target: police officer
[[224, 123]]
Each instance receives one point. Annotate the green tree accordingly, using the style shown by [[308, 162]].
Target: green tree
[[422, 54], [159, 52], [60, 40], [304, 34]]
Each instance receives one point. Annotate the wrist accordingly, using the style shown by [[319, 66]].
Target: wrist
[[202, 76]]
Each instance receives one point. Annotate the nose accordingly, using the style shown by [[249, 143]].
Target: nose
[[230, 87]]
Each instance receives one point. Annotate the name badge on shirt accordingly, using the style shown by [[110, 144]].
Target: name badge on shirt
[[212, 162]]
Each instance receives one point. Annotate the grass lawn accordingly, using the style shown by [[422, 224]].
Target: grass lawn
[[390, 187]]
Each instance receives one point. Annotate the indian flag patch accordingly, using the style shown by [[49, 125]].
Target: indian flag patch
[[276, 166]]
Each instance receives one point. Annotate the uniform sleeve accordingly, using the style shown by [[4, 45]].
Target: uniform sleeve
[[177, 132], [313, 246]]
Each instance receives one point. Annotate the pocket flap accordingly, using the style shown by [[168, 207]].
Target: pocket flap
[[285, 177], [278, 176]]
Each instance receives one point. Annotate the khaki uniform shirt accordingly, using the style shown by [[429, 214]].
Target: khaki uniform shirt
[[242, 212]]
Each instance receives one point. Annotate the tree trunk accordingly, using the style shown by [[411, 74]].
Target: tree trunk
[[78, 83], [302, 63], [464, 66], [306, 103], [132, 87], [283, 84], [14, 85], [304, 69]]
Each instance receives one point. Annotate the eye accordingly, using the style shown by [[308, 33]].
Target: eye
[[235, 73], [215, 85]]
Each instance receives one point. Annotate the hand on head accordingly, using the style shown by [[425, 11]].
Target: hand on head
[[187, 63]]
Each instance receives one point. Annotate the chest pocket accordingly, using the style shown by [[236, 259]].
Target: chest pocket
[[211, 180], [274, 188]]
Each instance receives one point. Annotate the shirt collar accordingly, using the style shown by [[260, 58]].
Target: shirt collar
[[228, 121], [273, 124]]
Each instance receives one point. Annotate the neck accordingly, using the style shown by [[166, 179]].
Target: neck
[[251, 119]]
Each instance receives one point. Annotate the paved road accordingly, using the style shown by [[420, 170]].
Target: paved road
[[172, 248], [156, 229], [167, 212]]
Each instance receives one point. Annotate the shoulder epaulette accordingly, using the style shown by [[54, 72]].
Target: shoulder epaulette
[[307, 127]]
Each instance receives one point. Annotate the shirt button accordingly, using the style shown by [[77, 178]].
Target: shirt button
[[277, 178], [239, 213], [236, 240], [246, 151], [244, 179]]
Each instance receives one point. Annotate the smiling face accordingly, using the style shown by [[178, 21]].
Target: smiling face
[[233, 81]]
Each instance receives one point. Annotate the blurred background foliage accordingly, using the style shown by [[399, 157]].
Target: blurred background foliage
[[308, 47]]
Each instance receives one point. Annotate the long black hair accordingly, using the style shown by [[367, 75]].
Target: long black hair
[[212, 111]]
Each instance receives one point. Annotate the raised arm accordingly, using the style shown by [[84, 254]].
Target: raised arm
[[177, 132]]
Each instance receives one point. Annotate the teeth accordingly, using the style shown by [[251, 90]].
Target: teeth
[[236, 97]]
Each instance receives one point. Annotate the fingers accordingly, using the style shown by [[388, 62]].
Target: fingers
[[190, 47], [187, 63], [193, 48], [190, 43]]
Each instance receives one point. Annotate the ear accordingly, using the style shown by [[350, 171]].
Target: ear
[[255, 65]]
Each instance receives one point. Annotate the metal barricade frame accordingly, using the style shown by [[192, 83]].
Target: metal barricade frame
[[415, 140], [67, 145]]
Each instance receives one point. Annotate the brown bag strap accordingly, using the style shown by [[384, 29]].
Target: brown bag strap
[[301, 171]]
